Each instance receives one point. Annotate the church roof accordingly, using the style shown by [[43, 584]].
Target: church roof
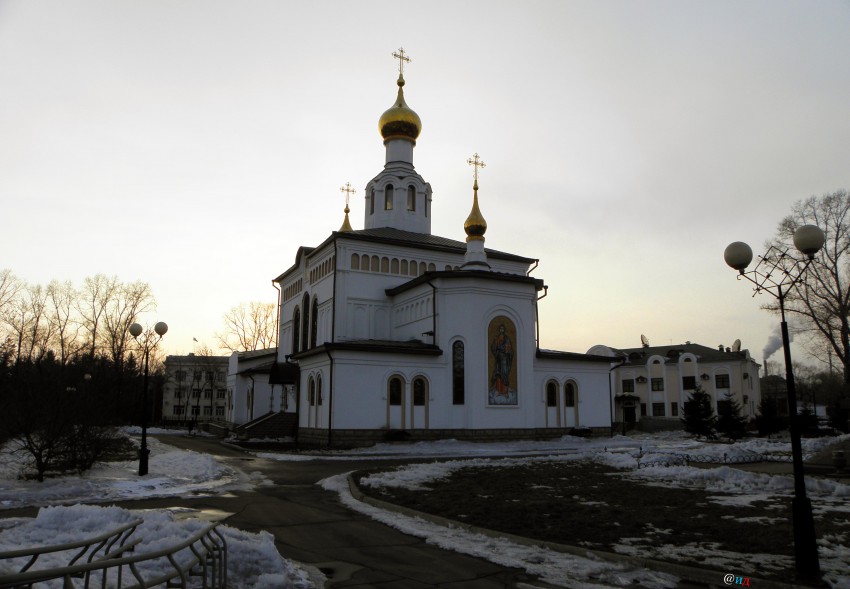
[[376, 346], [558, 355], [453, 274], [425, 240]]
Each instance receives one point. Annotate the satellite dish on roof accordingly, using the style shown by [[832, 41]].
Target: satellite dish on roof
[[736, 345], [644, 341]]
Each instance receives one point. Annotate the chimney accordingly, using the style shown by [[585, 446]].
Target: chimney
[[720, 348], [765, 367]]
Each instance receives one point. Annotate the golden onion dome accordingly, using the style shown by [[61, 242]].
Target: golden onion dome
[[475, 226], [400, 120]]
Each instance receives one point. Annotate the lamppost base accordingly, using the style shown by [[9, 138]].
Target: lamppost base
[[805, 541], [143, 461]]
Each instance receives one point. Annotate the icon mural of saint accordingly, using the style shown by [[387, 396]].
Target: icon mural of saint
[[502, 389]]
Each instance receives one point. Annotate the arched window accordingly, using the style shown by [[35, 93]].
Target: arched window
[[569, 395], [551, 394], [422, 268], [432, 267], [388, 198], [305, 321], [420, 391], [375, 263], [311, 388], [372, 202], [355, 262], [314, 322], [395, 388], [296, 330], [319, 390], [458, 374], [385, 265], [411, 198], [394, 266], [404, 267]]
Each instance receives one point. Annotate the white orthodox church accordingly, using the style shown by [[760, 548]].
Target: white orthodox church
[[391, 332]]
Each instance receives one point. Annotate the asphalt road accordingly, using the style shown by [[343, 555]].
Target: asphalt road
[[311, 526]]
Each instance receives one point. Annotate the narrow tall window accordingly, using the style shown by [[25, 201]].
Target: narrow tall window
[[569, 395], [314, 322], [296, 329], [419, 392], [551, 394], [305, 322], [372, 202], [312, 391], [411, 198], [319, 390], [395, 391], [388, 198], [458, 370]]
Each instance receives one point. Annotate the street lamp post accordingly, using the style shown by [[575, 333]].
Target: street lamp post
[[776, 272], [147, 342]]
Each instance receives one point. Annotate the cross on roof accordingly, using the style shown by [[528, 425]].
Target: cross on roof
[[348, 190], [476, 161], [401, 57]]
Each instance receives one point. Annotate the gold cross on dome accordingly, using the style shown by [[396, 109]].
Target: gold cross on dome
[[401, 57], [476, 161], [348, 190]]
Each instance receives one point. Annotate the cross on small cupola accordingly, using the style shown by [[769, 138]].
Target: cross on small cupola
[[348, 190], [477, 162], [401, 57]]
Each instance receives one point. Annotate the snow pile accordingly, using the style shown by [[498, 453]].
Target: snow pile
[[253, 560], [171, 472]]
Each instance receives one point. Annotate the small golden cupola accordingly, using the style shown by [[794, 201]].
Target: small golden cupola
[[400, 121], [475, 227], [346, 224]]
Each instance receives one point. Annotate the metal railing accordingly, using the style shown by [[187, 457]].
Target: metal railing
[[203, 556], [92, 546]]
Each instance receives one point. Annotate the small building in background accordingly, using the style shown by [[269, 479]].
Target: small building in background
[[195, 389], [652, 383]]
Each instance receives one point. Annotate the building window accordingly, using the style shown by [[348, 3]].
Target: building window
[[195, 410], [419, 392], [196, 393], [411, 198], [395, 391], [628, 385], [311, 388], [658, 410], [219, 411], [721, 381], [689, 383], [551, 394], [314, 322], [197, 375], [319, 398], [219, 394], [388, 198], [207, 412], [207, 394], [305, 324], [458, 373], [569, 395], [674, 409], [355, 261], [657, 384], [372, 202], [180, 375], [179, 410], [296, 329]]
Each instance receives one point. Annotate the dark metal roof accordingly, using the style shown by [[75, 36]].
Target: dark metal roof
[[576, 356], [639, 356], [453, 274], [373, 345]]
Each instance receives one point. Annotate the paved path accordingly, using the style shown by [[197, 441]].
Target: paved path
[[311, 526]]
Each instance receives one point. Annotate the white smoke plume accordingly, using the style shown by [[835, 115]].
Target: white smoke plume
[[774, 342]]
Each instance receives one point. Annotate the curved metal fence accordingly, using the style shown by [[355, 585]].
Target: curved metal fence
[[198, 561], [682, 459]]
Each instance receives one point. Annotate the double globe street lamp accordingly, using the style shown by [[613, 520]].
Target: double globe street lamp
[[776, 272], [147, 341]]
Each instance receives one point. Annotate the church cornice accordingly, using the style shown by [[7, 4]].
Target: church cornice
[[464, 274], [415, 348]]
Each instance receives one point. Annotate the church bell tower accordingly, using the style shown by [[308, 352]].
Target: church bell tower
[[398, 197]]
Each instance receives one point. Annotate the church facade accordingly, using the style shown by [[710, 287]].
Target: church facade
[[391, 332]]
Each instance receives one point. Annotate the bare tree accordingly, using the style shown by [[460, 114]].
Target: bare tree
[[94, 298], [25, 317], [10, 285], [821, 302], [249, 326], [61, 297], [126, 303]]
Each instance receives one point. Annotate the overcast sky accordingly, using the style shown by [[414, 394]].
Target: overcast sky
[[196, 144]]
